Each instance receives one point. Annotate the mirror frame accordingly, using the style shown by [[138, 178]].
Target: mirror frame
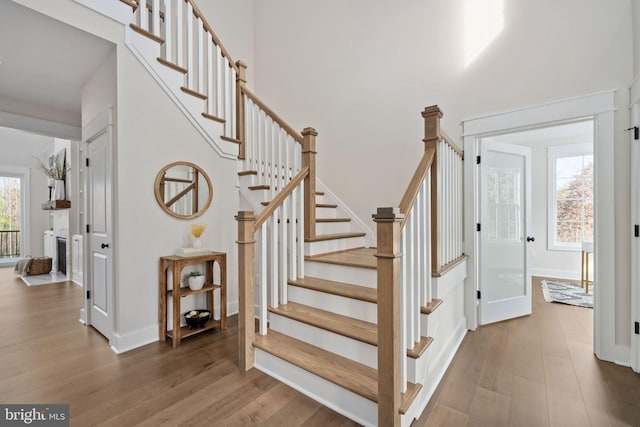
[[160, 197]]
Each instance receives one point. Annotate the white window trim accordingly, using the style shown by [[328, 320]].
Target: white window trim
[[25, 206], [553, 153]]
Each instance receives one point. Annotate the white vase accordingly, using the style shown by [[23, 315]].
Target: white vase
[[58, 190], [197, 243], [196, 282]]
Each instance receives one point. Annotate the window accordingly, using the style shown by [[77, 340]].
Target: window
[[570, 196]]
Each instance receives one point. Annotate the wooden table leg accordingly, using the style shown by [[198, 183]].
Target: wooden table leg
[[586, 282], [223, 292], [163, 301], [582, 270], [177, 269]]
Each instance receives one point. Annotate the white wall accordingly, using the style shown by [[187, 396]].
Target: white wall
[[361, 71], [635, 5], [232, 21], [18, 148]]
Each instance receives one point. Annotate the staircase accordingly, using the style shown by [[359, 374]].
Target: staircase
[[351, 325]]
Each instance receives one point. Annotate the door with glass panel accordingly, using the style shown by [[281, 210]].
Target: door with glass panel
[[505, 205]]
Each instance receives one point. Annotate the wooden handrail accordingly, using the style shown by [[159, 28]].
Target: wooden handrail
[[198, 14], [276, 118], [280, 198], [413, 189]]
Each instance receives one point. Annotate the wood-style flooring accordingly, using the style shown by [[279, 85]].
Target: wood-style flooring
[[47, 356], [537, 370]]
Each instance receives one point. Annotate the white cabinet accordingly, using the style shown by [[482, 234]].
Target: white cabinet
[[76, 258], [50, 249]]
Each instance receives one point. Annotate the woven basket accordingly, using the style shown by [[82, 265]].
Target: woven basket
[[40, 266]]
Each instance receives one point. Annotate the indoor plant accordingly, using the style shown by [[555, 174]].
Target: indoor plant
[[197, 230], [57, 173], [195, 280]]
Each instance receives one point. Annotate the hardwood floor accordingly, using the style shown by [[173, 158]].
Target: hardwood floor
[[537, 370], [47, 356]]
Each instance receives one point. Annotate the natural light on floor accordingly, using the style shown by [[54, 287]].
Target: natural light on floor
[[483, 22]]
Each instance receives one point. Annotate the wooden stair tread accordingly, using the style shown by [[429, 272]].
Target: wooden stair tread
[[245, 173], [171, 65], [146, 33], [259, 187], [193, 93], [333, 219], [336, 236], [360, 257], [319, 193], [420, 347], [431, 306], [344, 372], [353, 376], [343, 325], [346, 290], [326, 205], [214, 118], [229, 139]]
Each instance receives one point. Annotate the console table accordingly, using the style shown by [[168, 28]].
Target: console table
[[176, 264]]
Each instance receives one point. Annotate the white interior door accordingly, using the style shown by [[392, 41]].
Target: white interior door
[[635, 242], [99, 280], [505, 196]]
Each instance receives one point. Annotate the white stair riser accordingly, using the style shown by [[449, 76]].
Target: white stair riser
[[342, 273], [332, 227], [326, 212], [334, 245], [343, 401], [417, 369], [247, 181], [429, 323], [347, 347], [320, 199], [336, 304]]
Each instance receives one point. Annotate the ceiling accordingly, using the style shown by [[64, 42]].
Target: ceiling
[[43, 61]]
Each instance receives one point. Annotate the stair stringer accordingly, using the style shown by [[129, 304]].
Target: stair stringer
[[341, 400], [147, 51]]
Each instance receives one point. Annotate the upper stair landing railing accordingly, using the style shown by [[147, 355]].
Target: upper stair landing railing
[[420, 239], [268, 146], [190, 46]]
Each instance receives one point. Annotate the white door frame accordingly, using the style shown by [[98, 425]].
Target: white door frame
[[103, 120], [600, 107], [25, 204], [635, 219]]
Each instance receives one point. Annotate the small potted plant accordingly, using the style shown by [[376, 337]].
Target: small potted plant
[[195, 280]]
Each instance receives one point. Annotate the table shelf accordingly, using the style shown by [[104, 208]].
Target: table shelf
[[172, 266]]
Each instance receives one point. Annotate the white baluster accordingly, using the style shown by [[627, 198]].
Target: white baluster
[[256, 134], [263, 279], [202, 40], [168, 30], [232, 114], [155, 17], [211, 78], [293, 207], [191, 66], [180, 33], [283, 250], [273, 249], [219, 83], [227, 97], [261, 146], [411, 279], [300, 233], [426, 230], [429, 260], [418, 266], [144, 14]]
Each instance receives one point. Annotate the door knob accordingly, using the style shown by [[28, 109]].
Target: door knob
[[104, 245], [531, 239]]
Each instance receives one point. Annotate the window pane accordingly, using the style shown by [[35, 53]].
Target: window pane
[[569, 210], [568, 167], [569, 232]]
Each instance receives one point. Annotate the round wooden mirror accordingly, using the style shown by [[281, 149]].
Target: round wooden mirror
[[183, 190]]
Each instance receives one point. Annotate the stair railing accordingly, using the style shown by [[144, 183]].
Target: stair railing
[[267, 144], [190, 46], [420, 239], [279, 233]]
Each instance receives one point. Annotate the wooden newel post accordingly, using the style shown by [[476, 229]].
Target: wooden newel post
[[246, 323], [241, 82], [309, 159], [432, 136], [388, 222]]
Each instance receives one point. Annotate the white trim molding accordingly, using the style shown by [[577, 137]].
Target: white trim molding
[[600, 107]]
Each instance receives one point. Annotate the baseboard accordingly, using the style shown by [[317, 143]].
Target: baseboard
[[556, 274], [121, 343], [436, 372]]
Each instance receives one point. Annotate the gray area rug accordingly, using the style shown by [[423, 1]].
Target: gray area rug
[[567, 293]]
